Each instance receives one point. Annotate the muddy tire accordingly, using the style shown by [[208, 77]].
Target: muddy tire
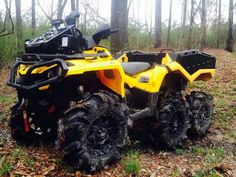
[[173, 123], [201, 106], [93, 133], [46, 135]]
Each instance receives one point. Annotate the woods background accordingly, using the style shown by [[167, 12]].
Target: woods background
[[200, 24]]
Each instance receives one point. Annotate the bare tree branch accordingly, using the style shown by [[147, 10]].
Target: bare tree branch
[[48, 17], [95, 13], [11, 21], [128, 8]]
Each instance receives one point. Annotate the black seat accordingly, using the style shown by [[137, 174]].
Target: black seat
[[133, 68]]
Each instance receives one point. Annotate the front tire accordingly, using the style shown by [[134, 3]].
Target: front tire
[[93, 132]]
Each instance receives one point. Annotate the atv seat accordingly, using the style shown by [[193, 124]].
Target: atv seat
[[133, 68]]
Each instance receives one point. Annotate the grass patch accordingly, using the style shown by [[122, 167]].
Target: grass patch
[[180, 151], [211, 155], [7, 99], [131, 163], [175, 173], [22, 155], [225, 115], [232, 134], [221, 103], [3, 116], [199, 173], [233, 82], [197, 85], [209, 173], [3, 141], [6, 169]]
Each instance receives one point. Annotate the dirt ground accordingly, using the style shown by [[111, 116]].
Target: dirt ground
[[214, 155]]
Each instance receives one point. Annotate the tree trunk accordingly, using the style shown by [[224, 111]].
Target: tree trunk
[[77, 8], [191, 25], [8, 6], [72, 5], [219, 23], [119, 20], [182, 41], [18, 23], [33, 21], [77, 5], [169, 25], [229, 44], [60, 8], [158, 24], [203, 25]]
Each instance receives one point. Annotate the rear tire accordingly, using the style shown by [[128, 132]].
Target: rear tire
[[173, 123], [201, 105], [93, 133]]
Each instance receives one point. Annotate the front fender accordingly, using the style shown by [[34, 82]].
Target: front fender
[[110, 73]]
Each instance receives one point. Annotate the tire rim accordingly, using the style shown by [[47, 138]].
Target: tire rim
[[204, 116], [176, 125], [102, 136]]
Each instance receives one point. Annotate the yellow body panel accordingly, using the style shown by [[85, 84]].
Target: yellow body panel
[[166, 60], [111, 73], [154, 77]]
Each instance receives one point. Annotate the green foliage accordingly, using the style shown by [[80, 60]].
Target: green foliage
[[19, 153], [232, 134], [2, 116], [199, 85], [131, 163], [8, 44], [6, 99], [22, 155], [180, 151], [6, 168], [140, 37], [175, 173], [211, 155], [209, 173], [199, 173]]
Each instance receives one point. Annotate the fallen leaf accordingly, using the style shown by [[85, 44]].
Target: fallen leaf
[[78, 174]]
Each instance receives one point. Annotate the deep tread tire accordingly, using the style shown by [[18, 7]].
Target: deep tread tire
[[18, 133], [172, 124], [93, 132], [201, 105]]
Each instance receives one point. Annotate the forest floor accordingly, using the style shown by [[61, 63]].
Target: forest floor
[[214, 155]]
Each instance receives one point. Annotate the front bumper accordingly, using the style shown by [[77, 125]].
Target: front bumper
[[29, 83]]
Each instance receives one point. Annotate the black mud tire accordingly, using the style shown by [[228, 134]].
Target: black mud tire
[[172, 125], [30, 138], [93, 133], [201, 106]]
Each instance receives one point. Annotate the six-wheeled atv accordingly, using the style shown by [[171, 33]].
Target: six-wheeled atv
[[72, 90]]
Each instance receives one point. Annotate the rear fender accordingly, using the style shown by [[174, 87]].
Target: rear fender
[[201, 74]]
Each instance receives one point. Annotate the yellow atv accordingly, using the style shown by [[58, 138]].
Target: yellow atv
[[72, 90]]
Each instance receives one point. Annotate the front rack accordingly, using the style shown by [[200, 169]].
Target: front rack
[[26, 86]]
